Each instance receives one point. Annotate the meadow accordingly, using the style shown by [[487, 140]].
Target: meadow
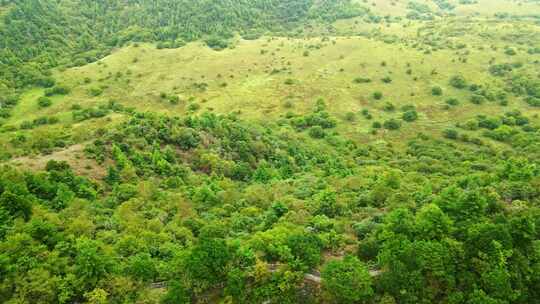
[[271, 77]]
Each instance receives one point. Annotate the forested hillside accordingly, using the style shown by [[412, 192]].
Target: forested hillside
[[305, 151], [39, 34]]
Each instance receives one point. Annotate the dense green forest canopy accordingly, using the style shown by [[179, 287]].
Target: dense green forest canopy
[[207, 201], [304, 151]]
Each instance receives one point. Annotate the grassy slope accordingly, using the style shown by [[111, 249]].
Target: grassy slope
[[481, 7], [4, 9], [489, 7], [259, 94]]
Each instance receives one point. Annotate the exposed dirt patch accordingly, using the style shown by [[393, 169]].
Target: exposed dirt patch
[[73, 155]]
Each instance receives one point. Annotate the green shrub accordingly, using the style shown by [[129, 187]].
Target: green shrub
[[366, 114], [477, 99], [174, 99], [349, 116], [510, 51], [533, 101], [389, 107], [458, 82], [26, 125], [216, 43], [386, 79], [45, 82], [377, 95], [5, 113], [194, 107], [57, 90], [410, 116], [474, 87], [44, 102], [392, 124], [95, 91], [490, 123], [452, 101], [316, 132], [40, 121], [502, 133], [89, 113], [450, 134], [500, 70], [436, 91]]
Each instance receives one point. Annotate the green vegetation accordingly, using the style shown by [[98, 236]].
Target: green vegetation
[[436, 91], [458, 82], [392, 124], [410, 115], [347, 281], [270, 151], [44, 102]]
